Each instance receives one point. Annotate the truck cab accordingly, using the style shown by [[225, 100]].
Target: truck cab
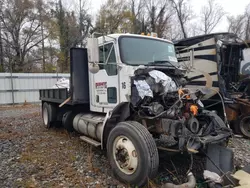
[[119, 56], [127, 94]]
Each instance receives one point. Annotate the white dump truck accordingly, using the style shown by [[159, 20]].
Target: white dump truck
[[127, 92]]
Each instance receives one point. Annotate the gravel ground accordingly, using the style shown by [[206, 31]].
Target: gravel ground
[[32, 156]]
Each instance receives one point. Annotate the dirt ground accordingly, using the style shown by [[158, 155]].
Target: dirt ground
[[32, 156]]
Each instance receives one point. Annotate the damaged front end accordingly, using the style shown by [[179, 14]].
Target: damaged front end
[[162, 103]]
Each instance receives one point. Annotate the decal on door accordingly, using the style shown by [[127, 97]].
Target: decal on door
[[101, 88]]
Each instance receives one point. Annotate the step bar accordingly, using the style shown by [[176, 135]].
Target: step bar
[[90, 141]]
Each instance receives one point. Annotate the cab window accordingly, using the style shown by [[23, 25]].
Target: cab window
[[107, 53]]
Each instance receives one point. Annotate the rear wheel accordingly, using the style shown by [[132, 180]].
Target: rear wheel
[[48, 114], [67, 121], [132, 153]]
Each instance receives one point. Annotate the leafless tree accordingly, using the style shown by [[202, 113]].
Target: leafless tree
[[236, 25], [40, 8], [1, 50], [211, 15], [183, 12], [84, 20], [136, 14], [21, 31], [240, 24], [247, 27], [159, 16]]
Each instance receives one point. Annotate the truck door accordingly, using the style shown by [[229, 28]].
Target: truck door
[[105, 82]]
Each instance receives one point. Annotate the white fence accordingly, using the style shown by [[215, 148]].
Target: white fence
[[24, 87]]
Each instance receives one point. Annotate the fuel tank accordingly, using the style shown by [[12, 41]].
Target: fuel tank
[[90, 125]]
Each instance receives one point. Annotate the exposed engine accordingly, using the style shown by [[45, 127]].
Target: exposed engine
[[166, 107]]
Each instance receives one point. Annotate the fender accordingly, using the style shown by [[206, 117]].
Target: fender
[[120, 113]]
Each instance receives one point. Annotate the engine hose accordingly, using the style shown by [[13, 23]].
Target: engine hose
[[190, 184], [223, 106]]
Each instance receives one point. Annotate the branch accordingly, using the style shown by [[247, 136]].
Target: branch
[[35, 44], [27, 40]]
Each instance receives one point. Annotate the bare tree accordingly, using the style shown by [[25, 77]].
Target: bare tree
[[21, 30], [240, 24], [159, 17], [40, 7], [136, 14], [211, 15], [183, 12], [247, 27], [1, 50], [194, 29], [84, 22], [236, 25]]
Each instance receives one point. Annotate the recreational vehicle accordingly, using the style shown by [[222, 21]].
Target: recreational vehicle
[[220, 62]]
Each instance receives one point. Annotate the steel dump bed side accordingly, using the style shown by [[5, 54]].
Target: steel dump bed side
[[57, 95]]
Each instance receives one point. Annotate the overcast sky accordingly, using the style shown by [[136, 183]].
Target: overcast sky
[[232, 7]]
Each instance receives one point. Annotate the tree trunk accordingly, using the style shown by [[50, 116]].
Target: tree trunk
[[183, 29], [134, 28], [247, 37], [18, 62], [1, 51], [43, 50], [153, 18]]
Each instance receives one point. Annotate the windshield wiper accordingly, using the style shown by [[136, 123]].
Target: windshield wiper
[[161, 62]]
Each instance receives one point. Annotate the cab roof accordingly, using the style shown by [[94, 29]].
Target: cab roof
[[111, 37]]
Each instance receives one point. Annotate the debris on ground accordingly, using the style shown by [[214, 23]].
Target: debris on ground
[[243, 177], [33, 156]]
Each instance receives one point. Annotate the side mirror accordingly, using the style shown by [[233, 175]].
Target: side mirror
[[94, 68], [93, 54]]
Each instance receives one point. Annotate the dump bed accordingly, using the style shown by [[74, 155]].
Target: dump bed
[[57, 95], [79, 81]]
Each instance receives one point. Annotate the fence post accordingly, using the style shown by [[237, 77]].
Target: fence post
[[12, 87]]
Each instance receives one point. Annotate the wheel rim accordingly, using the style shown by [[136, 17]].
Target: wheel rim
[[45, 116], [125, 155], [245, 126]]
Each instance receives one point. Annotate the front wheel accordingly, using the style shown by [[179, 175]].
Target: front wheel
[[132, 153]]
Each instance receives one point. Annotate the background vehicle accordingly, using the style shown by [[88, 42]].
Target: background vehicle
[[127, 92], [221, 61]]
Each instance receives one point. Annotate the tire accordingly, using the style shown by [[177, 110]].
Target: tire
[[48, 114], [67, 121], [245, 125], [144, 153]]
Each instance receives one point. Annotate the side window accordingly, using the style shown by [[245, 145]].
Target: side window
[[112, 95], [108, 51]]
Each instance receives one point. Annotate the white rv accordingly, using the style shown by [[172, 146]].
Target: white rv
[[220, 62], [216, 58]]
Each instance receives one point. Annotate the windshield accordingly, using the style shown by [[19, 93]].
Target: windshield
[[143, 51]]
